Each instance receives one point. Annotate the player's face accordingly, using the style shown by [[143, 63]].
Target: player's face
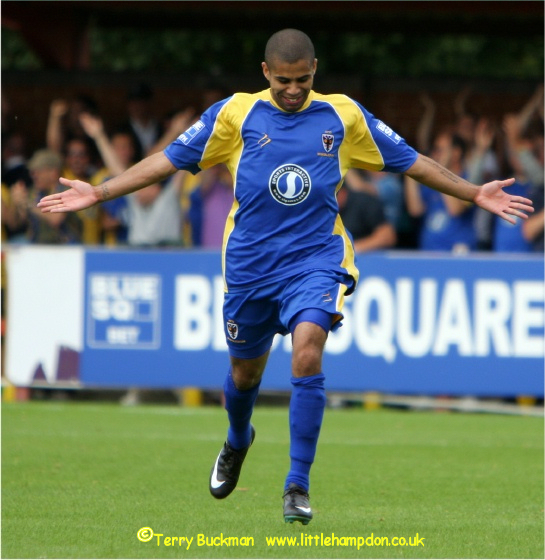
[[290, 83]]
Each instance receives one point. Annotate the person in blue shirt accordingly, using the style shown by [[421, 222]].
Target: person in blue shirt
[[288, 262], [507, 237], [447, 222]]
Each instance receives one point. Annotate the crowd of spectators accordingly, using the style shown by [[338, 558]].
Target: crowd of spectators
[[381, 210]]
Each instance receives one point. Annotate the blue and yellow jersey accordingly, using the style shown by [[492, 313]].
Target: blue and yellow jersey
[[287, 169]]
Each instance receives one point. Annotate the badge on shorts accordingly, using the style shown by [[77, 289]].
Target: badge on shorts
[[232, 329]]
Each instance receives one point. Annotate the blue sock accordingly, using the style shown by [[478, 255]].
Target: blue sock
[[307, 406], [239, 406]]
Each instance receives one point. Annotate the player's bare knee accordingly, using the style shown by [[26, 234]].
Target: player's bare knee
[[307, 360], [308, 347], [244, 379], [247, 373]]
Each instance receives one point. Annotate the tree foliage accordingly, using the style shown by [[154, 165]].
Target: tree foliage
[[15, 52], [384, 55]]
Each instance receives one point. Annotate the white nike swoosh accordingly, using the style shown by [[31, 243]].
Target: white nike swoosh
[[214, 482], [305, 509]]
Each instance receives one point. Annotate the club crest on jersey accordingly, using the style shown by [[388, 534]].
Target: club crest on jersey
[[289, 184], [327, 141], [232, 329]]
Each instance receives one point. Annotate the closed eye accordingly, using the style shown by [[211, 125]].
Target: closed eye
[[300, 80]]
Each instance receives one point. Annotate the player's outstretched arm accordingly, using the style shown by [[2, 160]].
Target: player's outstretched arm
[[490, 196], [81, 195]]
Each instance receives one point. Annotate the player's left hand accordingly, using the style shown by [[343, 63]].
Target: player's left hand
[[493, 198]]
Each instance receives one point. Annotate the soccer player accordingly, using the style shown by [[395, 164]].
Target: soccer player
[[288, 262]]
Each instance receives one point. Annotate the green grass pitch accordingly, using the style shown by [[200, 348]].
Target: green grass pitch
[[79, 480]]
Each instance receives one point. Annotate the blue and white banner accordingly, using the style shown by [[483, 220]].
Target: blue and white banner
[[417, 324]]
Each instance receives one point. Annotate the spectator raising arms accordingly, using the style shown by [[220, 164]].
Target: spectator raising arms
[[524, 146]]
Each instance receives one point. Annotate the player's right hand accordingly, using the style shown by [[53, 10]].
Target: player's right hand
[[79, 196]]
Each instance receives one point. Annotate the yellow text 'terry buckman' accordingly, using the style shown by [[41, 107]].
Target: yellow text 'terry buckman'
[[146, 534]]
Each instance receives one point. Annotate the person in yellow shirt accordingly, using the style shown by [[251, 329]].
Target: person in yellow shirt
[[78, 165]]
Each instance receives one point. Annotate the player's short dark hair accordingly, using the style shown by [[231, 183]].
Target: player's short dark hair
[[289, 45]]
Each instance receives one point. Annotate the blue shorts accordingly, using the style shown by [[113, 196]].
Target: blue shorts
[[253, 317]]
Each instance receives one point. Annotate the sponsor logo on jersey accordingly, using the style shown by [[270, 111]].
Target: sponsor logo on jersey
[[327, 141], [191, 132], [387, 131], [232, 329], [289, 184]]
